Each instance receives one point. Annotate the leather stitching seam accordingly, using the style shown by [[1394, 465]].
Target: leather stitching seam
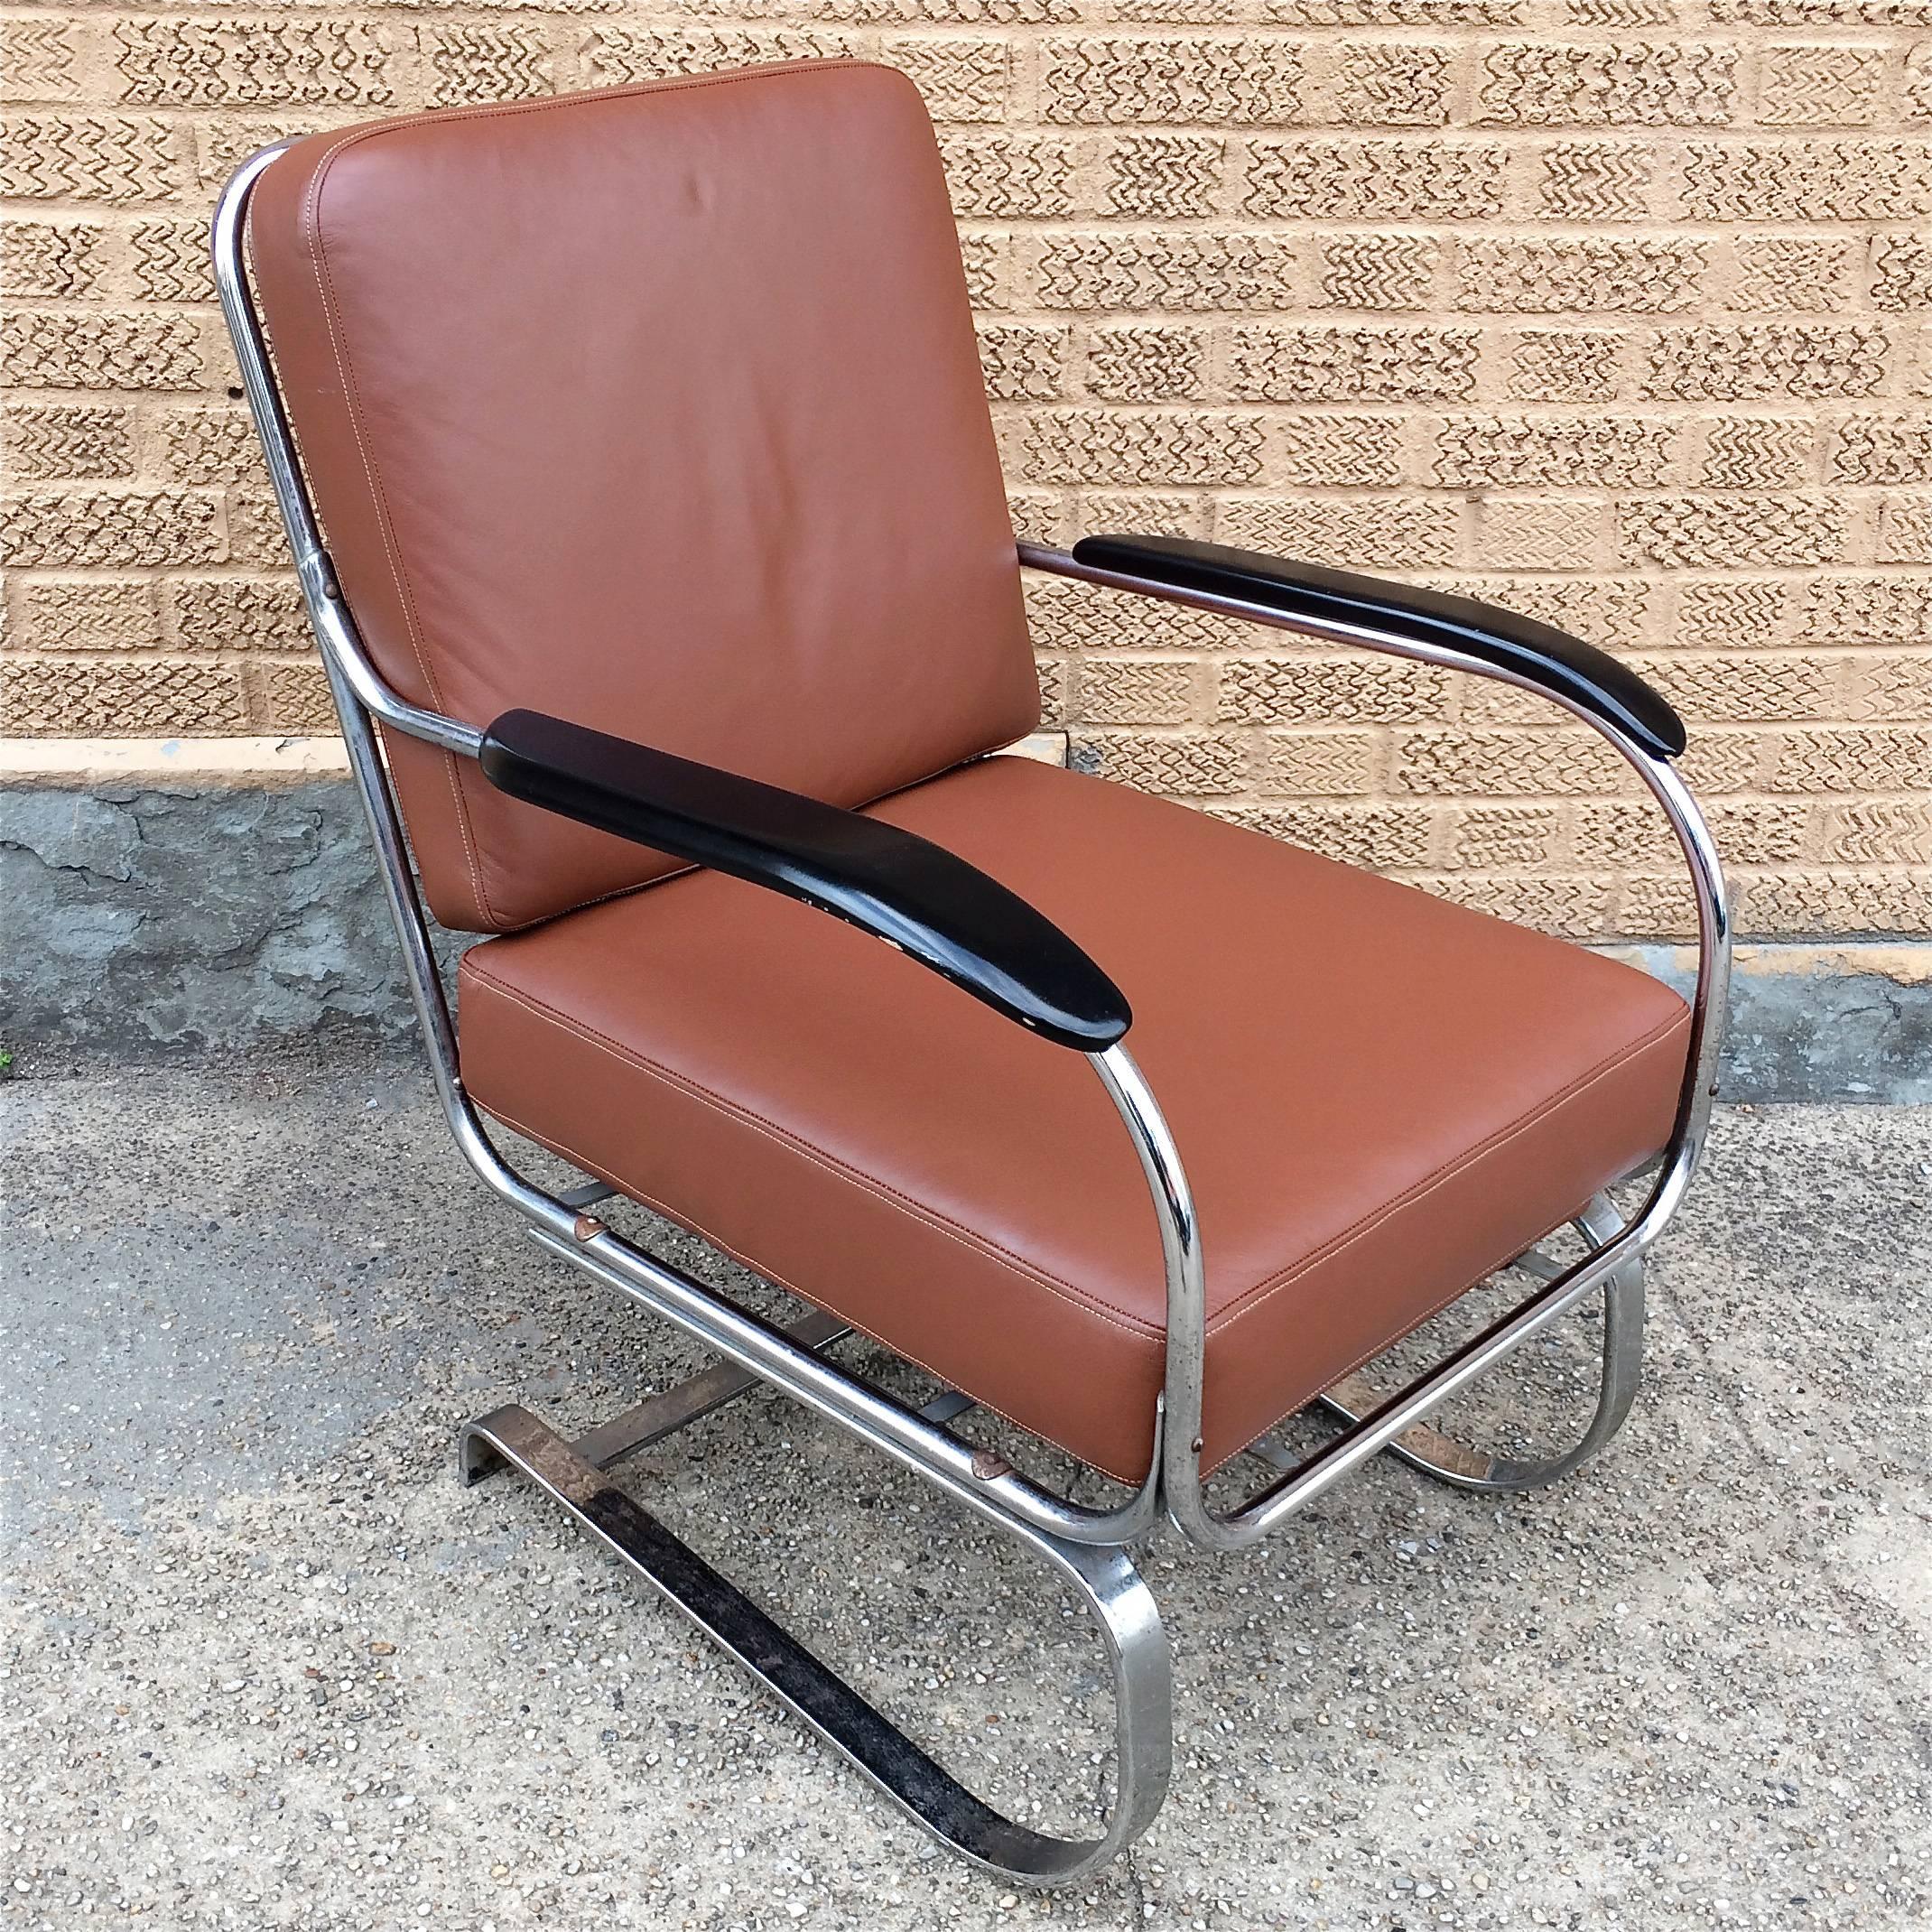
[[1437, 1177], [773, 1275], [966, 1237], [1066, 1290], [325, 288]]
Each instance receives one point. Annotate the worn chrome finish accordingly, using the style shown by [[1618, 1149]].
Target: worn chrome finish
[[1109, 1589], [1424, 1448], [1168, 1181]]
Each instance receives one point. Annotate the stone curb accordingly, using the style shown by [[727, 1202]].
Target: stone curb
[[162, 900]]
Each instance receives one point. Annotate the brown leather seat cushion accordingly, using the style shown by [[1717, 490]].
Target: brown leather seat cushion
[[1380, 1099]]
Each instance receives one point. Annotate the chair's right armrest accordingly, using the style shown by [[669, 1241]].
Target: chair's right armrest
[[1538, 653]]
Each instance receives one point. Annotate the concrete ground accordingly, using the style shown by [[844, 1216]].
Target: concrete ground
[[267, 1664]]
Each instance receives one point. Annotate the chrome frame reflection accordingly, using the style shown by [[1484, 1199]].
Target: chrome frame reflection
[[1087, 1545], [1181, 1443]]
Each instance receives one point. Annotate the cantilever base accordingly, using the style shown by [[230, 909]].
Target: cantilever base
[[1112, 1588]]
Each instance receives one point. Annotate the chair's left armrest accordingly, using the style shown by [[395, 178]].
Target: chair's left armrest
[[1539, 654], [933, 906]]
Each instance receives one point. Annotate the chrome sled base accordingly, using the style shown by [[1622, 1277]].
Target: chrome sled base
[[1105, 1580]]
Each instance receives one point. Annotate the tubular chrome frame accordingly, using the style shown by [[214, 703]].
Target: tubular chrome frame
[[557, 1224], [1087, 1545], [1174, 1481], [1180, 1443]]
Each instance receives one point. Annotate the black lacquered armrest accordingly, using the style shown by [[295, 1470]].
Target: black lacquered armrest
[[893, 883], [1545, 656]]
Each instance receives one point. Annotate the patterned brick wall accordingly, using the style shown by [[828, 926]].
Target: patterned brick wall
[[1618, 311]]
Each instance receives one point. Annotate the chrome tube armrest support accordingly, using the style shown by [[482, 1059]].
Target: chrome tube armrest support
[[1160, 1159]]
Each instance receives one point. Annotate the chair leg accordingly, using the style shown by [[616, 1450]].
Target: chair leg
[[1115, 1596], [1442, 1456]]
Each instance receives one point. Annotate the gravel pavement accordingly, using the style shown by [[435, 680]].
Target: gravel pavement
[[264, 1663]]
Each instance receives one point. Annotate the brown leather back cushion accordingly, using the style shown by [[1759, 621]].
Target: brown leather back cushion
[[657, 408]]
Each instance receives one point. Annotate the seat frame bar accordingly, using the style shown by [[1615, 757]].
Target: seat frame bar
[[1087, 1546]]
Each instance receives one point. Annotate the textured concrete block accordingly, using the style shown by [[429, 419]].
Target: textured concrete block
[[1166, 269], [1392, 533], [83, 613], [1600, 451], [1023, 361], [1254, 81], [1561, 763], [1349, 364], [1096, 446], [112, 527], [1652, 83], [67, 439], [477, 62], [1005, 177], [51, 349], [1157, 364], [1596, 180], [40, 260], [258, 61], [1360, 689], [1581, 274], [112, 158], [1076, 618], [1795, 180], [49, 697], [1566, 366], [1164, 177], [1319, 764], [1614, 313], [1712, 532], [238, 613], [1336, 450], [1377, 180], [1194, 764], [1135, 690]]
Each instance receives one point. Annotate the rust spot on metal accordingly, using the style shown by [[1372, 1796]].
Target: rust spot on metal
[[1361, 1397], [986, 1465], [587, 1227]]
